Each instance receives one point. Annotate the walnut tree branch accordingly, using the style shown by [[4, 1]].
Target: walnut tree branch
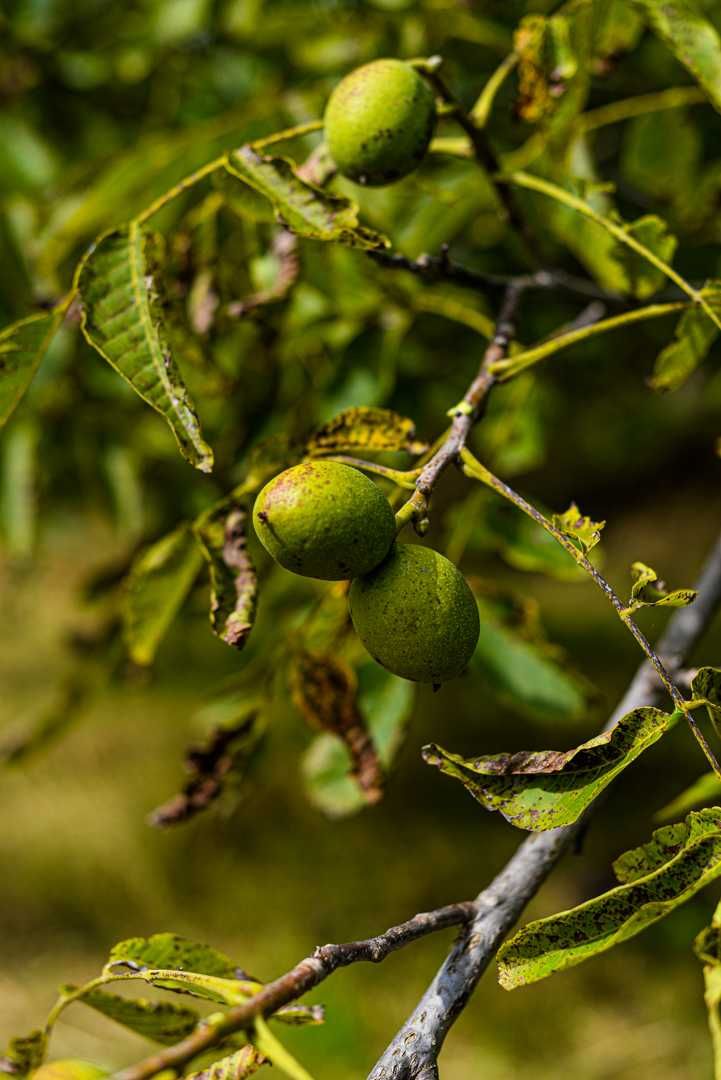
[[466, 413], [413, 1052], [311, 971], [441, 267]]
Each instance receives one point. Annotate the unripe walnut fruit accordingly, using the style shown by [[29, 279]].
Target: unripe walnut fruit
[[379, 121], [324, 520], [416, 615]]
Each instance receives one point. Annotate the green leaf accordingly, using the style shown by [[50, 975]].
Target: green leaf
[[707, 947], [693, 337], [238, 1066], [170, 951], [20, 474], [665, 844], [158, 582], [364, 428], [22, 347], [385, 703], [579, 528], [24, 1054], [642, 280], [707, 789], [561, 941], [221, 532], [649, 591], [522, 676], [265, 1041], [538, 790], [692, 38], [174, 963], [162, 1021], [121, 318], [304, 209]]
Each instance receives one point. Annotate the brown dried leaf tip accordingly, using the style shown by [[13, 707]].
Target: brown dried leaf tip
[[324, 690]]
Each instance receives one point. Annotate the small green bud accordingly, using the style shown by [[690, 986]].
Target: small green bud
[[324, 520], [416, 615], [379, 121]]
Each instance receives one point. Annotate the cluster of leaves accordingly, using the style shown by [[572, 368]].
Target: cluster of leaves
[[176, 966]]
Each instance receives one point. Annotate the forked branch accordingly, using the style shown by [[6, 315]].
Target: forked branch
[[413, 1053]]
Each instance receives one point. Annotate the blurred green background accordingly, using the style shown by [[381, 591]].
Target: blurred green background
[[103, 107]]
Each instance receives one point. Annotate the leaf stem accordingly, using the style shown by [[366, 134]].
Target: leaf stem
[[287, 134], [311, 971], [473, 468], [619, 232], [177, 189], [675, 98], [528, 357]]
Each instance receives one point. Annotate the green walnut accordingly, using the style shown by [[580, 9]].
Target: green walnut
[[379, 121], [324, 520], [416, 615], [70, 1069]]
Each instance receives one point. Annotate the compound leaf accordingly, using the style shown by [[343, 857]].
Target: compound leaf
[[560, 941], [538, 790], [122, 320]]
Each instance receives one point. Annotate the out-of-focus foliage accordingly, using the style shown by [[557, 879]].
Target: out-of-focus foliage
[[257, 345]]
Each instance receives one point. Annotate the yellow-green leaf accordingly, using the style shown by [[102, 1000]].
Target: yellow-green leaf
[[538, 790], [365, 428]]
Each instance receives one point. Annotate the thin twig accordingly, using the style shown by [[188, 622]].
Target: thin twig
[[465, 414], [443, 268], [413, 1052], [474, 468], [311, 971], [483, 153]]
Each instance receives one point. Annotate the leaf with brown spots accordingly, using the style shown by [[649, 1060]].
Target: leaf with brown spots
[[221, 532], [539, 790], [324, 690], [238, 1066], [365, 428], [224, 754], [649, 591], [678, 869], [303, 208]]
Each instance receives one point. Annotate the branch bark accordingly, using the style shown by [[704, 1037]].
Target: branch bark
[[321, 963], [413, 1052]]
